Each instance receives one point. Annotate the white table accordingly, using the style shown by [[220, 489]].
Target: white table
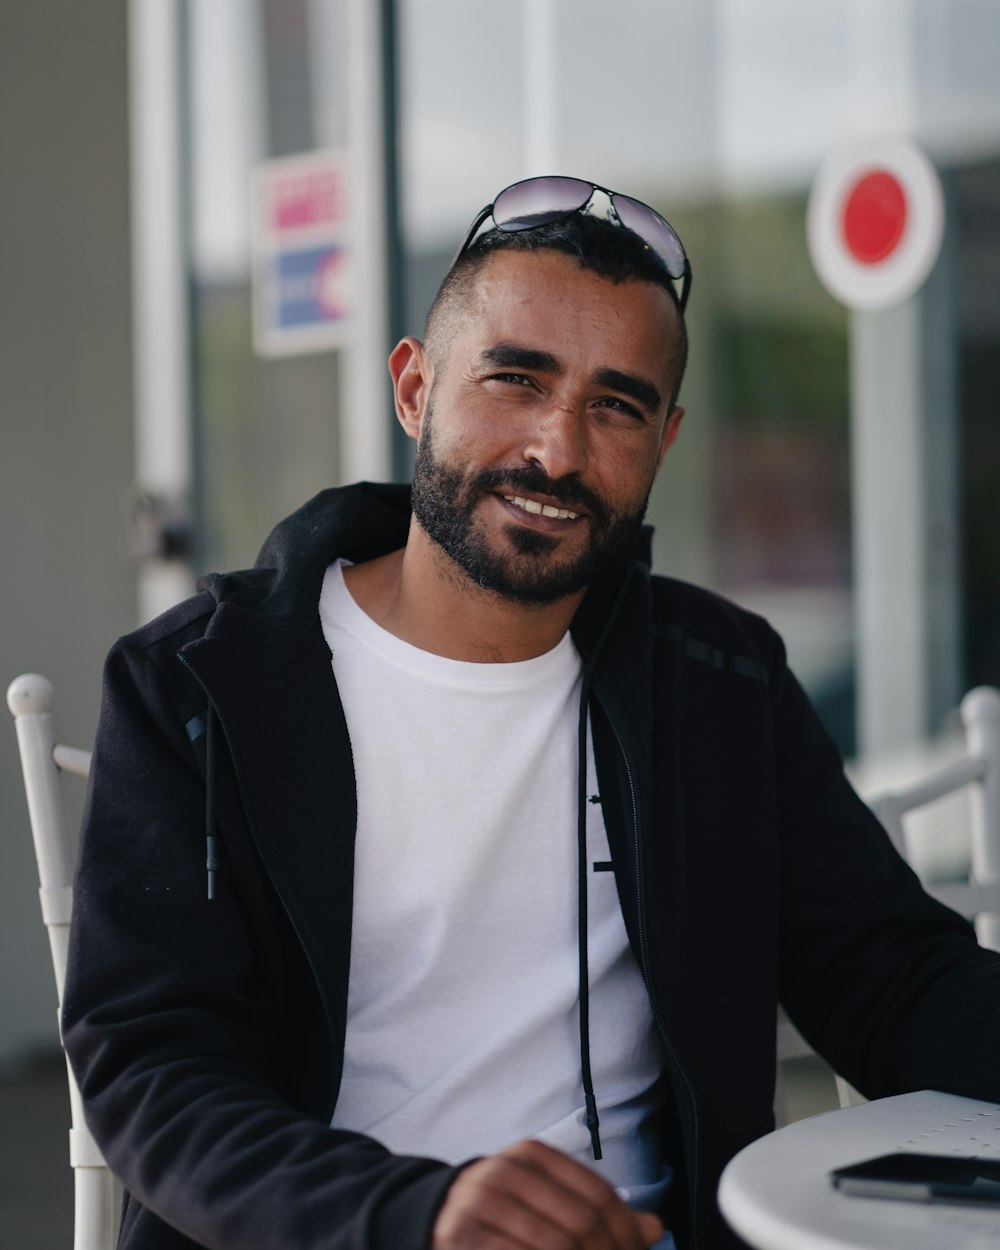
[[777, 1195]]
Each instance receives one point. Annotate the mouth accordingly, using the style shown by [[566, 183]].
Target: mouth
[[535, 507]]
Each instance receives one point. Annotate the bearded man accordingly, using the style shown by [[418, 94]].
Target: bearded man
[[512, 847]]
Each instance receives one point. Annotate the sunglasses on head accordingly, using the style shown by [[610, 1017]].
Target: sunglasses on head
[[538, 201]]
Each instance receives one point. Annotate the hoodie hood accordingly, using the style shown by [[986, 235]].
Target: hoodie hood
[[356, 522]]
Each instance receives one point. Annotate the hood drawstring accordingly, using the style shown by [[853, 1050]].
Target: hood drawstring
[[211, 848], [590, 1118], [590, 1101]]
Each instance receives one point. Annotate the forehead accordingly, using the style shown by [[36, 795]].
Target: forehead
[[546, 300]]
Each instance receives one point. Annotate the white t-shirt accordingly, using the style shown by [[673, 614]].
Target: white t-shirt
[[463, 1025]]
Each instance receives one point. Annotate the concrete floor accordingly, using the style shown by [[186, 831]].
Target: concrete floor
[[36, 1184]]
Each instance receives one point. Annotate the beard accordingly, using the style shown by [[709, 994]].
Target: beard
[[529, 571]]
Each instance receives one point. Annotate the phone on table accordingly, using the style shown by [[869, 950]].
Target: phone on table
[[923, 1178]]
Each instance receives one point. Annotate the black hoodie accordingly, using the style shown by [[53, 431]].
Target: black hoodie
[[207, 1035]]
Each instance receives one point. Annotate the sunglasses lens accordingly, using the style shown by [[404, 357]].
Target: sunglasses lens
[[539, 200], [652, 229]]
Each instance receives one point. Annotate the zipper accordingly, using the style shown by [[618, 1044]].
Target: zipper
[[339, 1063], [645, 966]]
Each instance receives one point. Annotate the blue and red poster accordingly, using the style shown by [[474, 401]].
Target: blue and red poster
[[303, 291]]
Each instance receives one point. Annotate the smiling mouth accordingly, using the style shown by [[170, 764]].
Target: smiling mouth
[[541, 509]]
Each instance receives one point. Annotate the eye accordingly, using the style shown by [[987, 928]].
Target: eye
[[513, 379], [615, 404]]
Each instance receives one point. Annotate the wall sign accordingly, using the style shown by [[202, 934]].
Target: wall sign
[[875, 222], [302, 285]]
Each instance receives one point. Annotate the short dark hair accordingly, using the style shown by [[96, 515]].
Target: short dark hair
[[602, 247]]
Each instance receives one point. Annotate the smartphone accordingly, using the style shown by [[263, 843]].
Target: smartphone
[[923, 1178]]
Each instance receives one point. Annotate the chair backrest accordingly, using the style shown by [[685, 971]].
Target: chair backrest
[[29, 698], [978, 897]]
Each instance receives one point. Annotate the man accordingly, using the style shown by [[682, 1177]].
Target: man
[[512, 848]]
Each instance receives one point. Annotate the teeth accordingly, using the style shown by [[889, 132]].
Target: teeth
[[541, 509]]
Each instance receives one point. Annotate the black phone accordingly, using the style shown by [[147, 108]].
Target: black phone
[[923, 1178]]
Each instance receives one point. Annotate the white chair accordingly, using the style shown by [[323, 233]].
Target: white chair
[[978, 897], [29, 698]]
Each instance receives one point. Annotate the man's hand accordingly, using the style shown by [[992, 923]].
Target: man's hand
[[533, 1197]]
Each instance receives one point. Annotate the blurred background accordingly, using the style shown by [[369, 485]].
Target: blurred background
[[145, 439]]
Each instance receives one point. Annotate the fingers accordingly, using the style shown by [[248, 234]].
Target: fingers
[[532, 1197]]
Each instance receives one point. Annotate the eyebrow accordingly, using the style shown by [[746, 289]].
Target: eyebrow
[[640, 389], [512, 356]]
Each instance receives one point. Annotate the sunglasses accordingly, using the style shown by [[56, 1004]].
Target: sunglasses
[[538, 201]]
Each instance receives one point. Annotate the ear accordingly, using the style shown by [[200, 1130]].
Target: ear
[[412, 375], [670, 431]]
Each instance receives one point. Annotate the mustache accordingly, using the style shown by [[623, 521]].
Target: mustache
[[569, 490]]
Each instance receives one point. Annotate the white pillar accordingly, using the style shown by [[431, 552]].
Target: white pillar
[[160, 331], [365, 415], [903, 418], [887, 479], [906, 516], [539, 94], [882, 92]]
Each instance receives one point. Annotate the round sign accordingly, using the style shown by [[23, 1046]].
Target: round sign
[[875, 222]]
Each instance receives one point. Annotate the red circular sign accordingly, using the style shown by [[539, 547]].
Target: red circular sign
[[874, 216], [875, 221]]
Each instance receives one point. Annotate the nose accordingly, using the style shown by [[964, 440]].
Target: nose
[[558, 443]]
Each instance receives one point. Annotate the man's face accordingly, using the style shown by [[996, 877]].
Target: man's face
[[544, 426]]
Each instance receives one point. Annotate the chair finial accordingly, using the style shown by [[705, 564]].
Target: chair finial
[[981, 704], [30, 693]]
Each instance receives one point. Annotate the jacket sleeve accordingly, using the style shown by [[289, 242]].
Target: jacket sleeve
[[886, 983], [168, 1019]]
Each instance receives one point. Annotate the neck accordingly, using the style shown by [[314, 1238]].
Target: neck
[[420, 595]]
